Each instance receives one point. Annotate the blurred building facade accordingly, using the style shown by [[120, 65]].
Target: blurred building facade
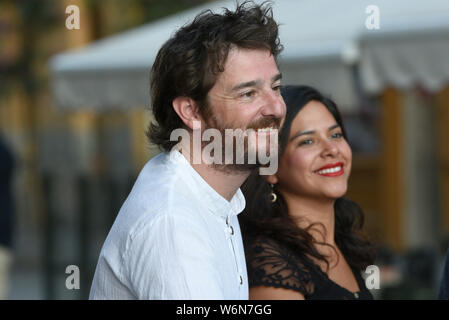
[[74, 169]]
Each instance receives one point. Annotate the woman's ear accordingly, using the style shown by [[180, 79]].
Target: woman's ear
[[187, 110], [272, 178]]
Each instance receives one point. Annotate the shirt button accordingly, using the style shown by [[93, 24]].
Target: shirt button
[[232, 230], [241, 280]]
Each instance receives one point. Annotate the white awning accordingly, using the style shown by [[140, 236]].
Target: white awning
[[323, 39], [407, 55]]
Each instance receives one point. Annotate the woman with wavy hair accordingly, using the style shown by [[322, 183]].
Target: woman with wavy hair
[[302, 238]]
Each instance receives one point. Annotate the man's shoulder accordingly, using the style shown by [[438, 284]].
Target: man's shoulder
[[158, 180], [162, 172], [139, 230], [158, 197]]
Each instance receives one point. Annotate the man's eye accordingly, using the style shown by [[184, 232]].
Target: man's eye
[[248, 94], [337, 135], [277, 88]]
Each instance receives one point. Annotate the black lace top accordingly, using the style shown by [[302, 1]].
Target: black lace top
[[270, 264]]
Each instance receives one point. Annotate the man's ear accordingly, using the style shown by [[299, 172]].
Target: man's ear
[[187, 110], [272, 179]]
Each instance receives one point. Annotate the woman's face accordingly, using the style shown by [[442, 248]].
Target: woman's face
[[317, 159]]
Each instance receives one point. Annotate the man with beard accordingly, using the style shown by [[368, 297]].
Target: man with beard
[[177, 235]]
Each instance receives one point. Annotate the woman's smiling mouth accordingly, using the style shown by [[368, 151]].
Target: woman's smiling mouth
[[331, 170]]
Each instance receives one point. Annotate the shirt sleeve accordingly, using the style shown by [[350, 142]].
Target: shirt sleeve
[[170, 259], [270, 264]]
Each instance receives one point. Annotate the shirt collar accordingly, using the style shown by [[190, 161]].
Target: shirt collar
[[211, 198]]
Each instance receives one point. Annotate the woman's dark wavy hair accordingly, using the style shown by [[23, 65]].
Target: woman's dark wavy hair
[[262, 217], [188, 64]]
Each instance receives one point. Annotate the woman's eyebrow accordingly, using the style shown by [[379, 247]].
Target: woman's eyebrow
[[301, 133], [307, 132]]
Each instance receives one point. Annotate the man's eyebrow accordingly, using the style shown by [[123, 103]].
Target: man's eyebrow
[[302, 133], [276, 77], [246, 84], [255, 83]]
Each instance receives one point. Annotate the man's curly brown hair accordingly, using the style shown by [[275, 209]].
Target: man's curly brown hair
[[189, 63]]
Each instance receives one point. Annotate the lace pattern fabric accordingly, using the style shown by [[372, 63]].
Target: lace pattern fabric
[[273, 265]]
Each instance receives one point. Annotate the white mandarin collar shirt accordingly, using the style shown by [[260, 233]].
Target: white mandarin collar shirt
[[217, 204], [175, 237]]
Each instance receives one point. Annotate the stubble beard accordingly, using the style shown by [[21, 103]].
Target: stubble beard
[[250, 143]]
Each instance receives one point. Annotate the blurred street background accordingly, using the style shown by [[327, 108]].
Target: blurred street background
[[74, 110]]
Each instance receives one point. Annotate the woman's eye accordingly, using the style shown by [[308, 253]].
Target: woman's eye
[[306, 142]]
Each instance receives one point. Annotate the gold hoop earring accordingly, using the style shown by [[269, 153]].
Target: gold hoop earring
[[273, 195]]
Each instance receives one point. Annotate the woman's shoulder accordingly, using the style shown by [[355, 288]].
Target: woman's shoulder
[[272, 263], [265, 246], [258, 245]]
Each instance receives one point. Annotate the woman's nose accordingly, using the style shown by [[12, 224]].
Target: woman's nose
[[330, 148]]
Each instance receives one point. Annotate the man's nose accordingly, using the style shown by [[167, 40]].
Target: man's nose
[[274, 105]]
